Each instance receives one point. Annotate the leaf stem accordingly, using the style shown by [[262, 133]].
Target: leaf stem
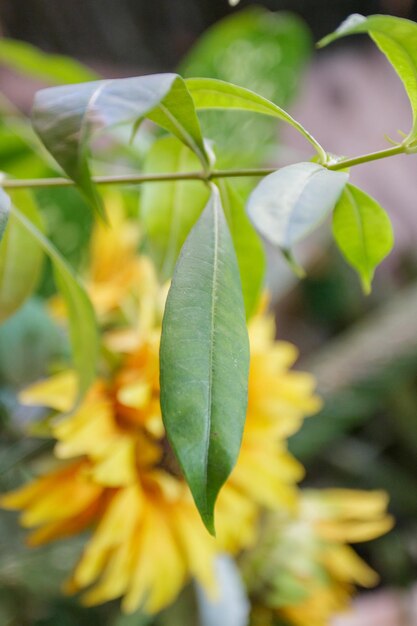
[[137, 179]]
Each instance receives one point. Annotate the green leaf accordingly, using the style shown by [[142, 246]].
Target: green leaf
[[258, 49], [205, 359], [4, 211], [65, 118], [209, 93], [248, 247], [170, 209], [396, 38], [82, 325], [31, 61], [363, 232], [288, 204], [20, 258]]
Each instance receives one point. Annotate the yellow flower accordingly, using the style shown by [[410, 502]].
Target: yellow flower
[[303, 569]]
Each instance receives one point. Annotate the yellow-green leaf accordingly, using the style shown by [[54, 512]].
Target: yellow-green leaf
[[363, 232], [397, 39]]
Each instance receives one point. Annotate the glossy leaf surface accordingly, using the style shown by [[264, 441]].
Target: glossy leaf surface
[[248, 247], [209, 93], [291, 202], [363, 232], [65, 117], [397, 39], [170, 209], [20, 257], [205, 359], [82, 326]]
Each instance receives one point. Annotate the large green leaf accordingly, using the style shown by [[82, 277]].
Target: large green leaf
[[291, 202], [82, 325], [4, 211], [65, 117], [170, 209], [248, 247], [31, 61], [362, 231], [20, 257], [205, 359], [397, 39], [209, 93]]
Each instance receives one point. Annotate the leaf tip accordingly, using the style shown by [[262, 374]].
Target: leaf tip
[[298, 270]]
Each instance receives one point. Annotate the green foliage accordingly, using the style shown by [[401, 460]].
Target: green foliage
[[396, 38], [362, 231], [169, 210], [82, 326], [19, 272], [65, 117], [205, 359], [219, 272], [209, 93], [259, 50], [248, 247], [52, 68], [291, 202]]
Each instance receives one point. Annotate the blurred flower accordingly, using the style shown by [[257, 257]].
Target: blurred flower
[[303, 570], [120, 477]]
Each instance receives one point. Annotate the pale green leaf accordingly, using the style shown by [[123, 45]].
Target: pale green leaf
[[170, 209], [82, 325], [397, 39], [248, 247], [205, 359], [31, 61], [20, 258], [288, 204], [210, 93], [363, 232], [65, 118]]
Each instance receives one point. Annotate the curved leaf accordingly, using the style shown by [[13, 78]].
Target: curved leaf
[[65, 117], [82, 325], [205, 359], [362, 231], [291, 202], [210, 93], [397, 39], [170, 209], [248, 247], [20, 258], [31, 61]]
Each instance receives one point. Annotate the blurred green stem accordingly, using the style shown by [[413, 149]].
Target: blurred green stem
[[135, 179]]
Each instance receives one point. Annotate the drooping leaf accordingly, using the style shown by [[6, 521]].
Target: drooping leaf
[[248, 247], [65, 117], [20, 257], [31, 61], [210, 93], [4, 211], [82, 325], [205, 359], [288, 204], [363, 232], [169, 210], [396, 38], [258, 49]]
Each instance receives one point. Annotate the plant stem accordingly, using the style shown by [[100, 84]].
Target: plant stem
[[136, 179]]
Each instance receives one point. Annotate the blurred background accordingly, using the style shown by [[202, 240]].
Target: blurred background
[[363, 351]]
